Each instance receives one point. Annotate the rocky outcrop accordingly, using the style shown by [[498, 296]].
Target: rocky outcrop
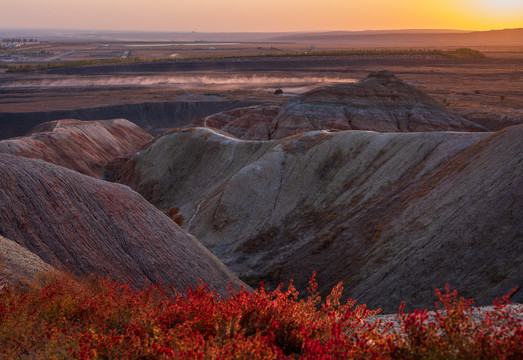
[[84, 225], [381, 102], [84, 146], [393, 215]]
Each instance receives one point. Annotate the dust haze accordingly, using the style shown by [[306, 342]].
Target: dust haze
[[260, 82]]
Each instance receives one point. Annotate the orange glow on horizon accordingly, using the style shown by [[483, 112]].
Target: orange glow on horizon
[[263, 16]]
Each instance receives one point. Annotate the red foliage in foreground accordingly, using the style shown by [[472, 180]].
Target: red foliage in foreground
[[100, 319]]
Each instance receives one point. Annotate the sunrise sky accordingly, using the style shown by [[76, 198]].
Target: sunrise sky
[[261, 15]]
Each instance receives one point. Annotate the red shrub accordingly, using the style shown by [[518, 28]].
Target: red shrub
[[94, 319]]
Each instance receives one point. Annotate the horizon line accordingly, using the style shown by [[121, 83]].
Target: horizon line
[[249, 32]]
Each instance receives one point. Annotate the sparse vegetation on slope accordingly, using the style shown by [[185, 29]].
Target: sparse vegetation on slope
[[99, 319]]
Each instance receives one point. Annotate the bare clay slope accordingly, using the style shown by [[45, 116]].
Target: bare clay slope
[[17, 264], [381, 102], [84, 146], [392, 215], [74, 222]]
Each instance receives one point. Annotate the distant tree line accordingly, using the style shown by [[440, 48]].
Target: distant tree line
[[65, 64], [456, 53]]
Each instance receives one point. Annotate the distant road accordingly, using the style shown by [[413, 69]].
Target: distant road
[[59, 56]]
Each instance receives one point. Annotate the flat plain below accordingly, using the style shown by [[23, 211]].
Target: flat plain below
[[485, 90]]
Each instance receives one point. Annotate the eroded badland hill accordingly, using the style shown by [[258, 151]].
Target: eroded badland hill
[[373, 183], [84, 146], [391, 214], [83, 225], [380, 102]]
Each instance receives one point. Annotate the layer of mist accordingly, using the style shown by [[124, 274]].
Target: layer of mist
[[294, 84]]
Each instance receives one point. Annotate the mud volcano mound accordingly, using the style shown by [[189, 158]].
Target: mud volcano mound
[[381, 102], [84, 146], [81, 224], [393, 215]]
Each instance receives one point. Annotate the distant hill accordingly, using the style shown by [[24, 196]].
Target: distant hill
[[502, 36], [368, 38], [414, 38]]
